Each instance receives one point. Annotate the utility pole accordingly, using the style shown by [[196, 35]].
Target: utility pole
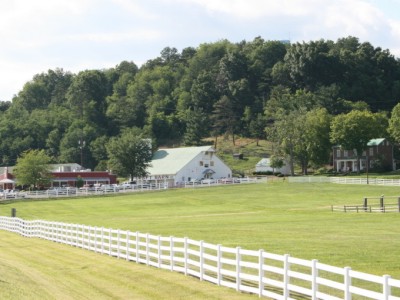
[[81, 145]]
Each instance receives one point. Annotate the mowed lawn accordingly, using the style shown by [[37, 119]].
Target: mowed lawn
[[279, 217]]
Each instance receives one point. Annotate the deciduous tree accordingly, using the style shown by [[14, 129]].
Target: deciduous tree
[[394, 123], [130, 153], [33, 169], [355, 129]]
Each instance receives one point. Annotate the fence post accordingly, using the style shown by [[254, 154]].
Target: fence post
[[238, 269], [128, 244], [286, 267], [260, 273], [347, 283], [147, 249], [137, 247], [95, 238], [201, 259], [82, 236], [102, 240], [398, 203], [386, 287], [68, 234], [74, 236], [159, 251], [186, 255], [314, 274], [118, 243], [219, 265], [172, 254], [109, 241], [365, 203]]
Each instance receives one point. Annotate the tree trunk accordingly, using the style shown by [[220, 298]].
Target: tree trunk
[[305, 170], [291, 161]]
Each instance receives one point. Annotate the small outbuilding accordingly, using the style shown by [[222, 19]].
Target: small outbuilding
[[7, 180], [264, 165]]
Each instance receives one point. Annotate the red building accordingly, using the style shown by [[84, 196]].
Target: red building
[[7, 180], [379, 154], [63, 175], [88, 178]]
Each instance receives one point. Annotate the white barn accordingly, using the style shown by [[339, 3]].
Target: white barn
[[264, 165], [178, 165]]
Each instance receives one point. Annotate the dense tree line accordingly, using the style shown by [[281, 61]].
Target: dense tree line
[[238, 89]]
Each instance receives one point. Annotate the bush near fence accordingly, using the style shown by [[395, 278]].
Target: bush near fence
[[258, 272]]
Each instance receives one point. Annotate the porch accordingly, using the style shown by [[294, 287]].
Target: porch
[[349, 165]]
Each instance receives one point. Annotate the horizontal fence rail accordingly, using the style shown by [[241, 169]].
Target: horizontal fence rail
[[257, 272], [344, 180]]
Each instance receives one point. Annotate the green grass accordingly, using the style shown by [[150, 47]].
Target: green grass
[[38, 269], [252, 153], [278, 217]]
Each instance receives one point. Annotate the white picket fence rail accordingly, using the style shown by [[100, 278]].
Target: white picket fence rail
[[258, 272], [344, 180]]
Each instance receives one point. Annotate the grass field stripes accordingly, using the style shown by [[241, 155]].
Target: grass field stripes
[[257, 272]]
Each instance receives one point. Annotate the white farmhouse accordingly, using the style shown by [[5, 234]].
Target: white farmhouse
[[178, 165], [264, 165]]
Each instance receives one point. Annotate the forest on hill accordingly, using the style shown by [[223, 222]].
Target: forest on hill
[[218, 88]]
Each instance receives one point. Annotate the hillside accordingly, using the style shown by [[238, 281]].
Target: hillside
[[219, 88], [252, 153]]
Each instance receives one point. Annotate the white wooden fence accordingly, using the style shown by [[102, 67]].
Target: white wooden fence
[[344, 180], [258, 272]]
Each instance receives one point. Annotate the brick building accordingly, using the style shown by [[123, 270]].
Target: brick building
[[379, 154]]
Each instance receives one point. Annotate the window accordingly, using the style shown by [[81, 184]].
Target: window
[[345, 153], [206, 165], [338, 153], [201, 163], [371, 151]]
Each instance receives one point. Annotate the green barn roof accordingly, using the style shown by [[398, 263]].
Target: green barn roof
[[171, 161]]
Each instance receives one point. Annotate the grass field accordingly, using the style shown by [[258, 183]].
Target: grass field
[[278, 217]]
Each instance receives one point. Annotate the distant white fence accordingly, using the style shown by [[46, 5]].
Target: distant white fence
[[95, 191], [344, 180], [258, 272]]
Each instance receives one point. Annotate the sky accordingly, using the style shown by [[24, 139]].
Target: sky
[[78, 35]]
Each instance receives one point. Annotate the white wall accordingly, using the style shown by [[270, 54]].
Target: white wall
[[266, 168], [195, 171]]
